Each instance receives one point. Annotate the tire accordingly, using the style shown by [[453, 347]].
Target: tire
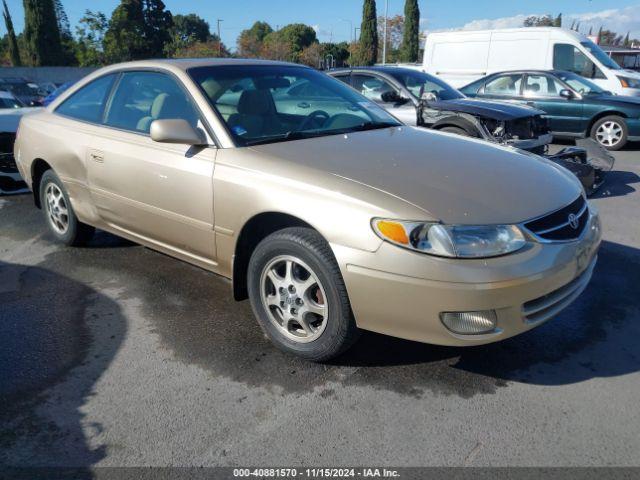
[[611, 132], [65, 227], [308, 334], [456, 130]]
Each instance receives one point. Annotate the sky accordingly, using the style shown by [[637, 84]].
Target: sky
[[334, 19]]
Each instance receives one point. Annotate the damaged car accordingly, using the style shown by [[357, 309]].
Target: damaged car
[[420, 99], [11, 111]]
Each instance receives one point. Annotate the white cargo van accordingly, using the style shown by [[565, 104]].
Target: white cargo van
[[462, 57]]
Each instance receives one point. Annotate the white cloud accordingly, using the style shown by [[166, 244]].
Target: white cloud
[[621, 20]]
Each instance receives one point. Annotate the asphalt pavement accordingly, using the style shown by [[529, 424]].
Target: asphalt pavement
[[116, 355]]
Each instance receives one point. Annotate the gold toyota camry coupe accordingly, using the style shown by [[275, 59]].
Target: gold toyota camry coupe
[[324, 210]]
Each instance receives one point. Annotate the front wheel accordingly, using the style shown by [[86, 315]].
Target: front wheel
[[298, 295], [611, 132], [59, 214]]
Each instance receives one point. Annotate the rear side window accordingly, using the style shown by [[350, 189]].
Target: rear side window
[[508, 85], [88, 103], [142, 97]]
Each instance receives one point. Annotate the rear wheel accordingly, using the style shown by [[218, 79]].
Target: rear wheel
[[62, 220], [611, 132], [298, 295]]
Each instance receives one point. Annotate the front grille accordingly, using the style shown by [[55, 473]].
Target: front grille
[[557, 226], [548, 306]]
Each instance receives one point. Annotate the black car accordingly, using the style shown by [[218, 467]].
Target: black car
[[420, 99]]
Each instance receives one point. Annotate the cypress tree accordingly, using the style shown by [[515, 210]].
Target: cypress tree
[[411, 35], [41, 33], [66, 38], [14, 51], [558, 21], [369, 33]]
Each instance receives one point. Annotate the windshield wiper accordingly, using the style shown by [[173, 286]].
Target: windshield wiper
[[301, 134]]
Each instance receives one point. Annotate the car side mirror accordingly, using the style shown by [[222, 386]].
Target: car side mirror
[[176, 131], [392, 97], [566, 93], [429, 97]]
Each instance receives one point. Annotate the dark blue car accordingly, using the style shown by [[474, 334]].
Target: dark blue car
[[56, 93]]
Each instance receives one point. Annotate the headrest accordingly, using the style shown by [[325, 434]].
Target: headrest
[[534, 87], [255, 102], [167, 106]]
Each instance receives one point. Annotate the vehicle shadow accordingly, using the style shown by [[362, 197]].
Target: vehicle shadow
[[594, 337], [618, 183], [49, 363]]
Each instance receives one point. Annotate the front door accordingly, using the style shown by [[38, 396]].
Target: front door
[[543, 92], [162, 193]]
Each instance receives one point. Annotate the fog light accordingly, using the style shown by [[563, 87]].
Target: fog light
[[470, 323]]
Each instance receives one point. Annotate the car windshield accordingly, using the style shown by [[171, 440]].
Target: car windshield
[[26, 89], [8, 102], [418, 83], [580, 84], [600, 55], [271, 103]]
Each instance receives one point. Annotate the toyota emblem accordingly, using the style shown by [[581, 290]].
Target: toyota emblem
[[573, 221]]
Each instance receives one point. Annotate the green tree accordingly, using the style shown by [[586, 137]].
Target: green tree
[[191, 27], [12, 41], [158, 24], [209, 49], [138, 29], [90, 35], [543, 21], [250, 41], [627, 41], [339, 52], [124, 40], [299, 37], [41, 33], [66, 38], [368, 45], [411, 38]]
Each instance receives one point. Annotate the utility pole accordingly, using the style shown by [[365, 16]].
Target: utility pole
[[219, 38], [384, 43]]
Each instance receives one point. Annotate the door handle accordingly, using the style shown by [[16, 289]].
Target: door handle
[[97, 156], [531, 104]]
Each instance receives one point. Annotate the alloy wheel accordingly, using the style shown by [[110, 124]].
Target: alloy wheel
[[57, 210], [294, 298], [609, 133]]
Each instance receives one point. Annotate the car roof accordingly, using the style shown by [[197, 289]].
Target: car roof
[[187, 63], [382, 69], [551, 72]]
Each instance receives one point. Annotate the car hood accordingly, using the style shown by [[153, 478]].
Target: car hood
[[491, 109], [453, 179]]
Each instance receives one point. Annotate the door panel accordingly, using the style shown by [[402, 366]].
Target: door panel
[[543, 92], [161, 192]]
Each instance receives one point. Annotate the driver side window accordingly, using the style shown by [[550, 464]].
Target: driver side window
[[371, 87], [570, 58]]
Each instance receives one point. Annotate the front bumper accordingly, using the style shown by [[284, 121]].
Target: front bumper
[[530, 144], [402, 293]]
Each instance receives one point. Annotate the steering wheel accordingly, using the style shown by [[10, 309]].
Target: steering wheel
[[312, 117]]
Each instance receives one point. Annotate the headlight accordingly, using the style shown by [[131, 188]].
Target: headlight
[[628, 82], [458, 241]]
